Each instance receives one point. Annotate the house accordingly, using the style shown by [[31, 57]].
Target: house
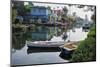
[[57, 14], [40, 13]]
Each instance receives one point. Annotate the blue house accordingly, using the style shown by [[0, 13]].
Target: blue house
[[39, 12]]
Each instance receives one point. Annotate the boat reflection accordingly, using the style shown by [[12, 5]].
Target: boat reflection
[[39, 49], [85, 30]]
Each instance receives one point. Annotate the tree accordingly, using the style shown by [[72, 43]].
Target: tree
[[70, 5], [64, 15], [14, 14], [90, 8], [86, 50], [93, 17], [65, 10], [27, 8], [50, 11], [81, 6], [49, 8]]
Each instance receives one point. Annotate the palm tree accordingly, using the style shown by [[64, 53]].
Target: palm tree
[[64, 15], [65, 10], [50, 11]]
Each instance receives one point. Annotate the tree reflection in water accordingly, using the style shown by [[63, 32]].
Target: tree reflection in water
[[40, 33]]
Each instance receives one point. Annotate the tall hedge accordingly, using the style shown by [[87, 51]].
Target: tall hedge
[[86, 50]]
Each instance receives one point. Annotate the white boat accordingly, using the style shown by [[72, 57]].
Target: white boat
[[44, 43]]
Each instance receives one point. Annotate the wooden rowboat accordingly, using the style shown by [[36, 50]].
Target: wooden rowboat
[[67, 49], [70, 46]]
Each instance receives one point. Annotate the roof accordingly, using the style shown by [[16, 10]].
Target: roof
[[39, 7]]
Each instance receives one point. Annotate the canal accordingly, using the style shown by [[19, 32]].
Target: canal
[[22, 55]]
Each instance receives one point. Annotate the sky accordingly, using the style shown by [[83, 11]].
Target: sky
[[79, 12]]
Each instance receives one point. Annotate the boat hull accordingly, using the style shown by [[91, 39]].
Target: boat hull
[[45, 44]]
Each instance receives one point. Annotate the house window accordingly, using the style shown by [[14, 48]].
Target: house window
[[34, 10], [39, 10]]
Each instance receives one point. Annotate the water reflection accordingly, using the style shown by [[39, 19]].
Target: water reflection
[[21, 54], [38, 50], [85, 30], [42, 33], [39, 34], [18, 41]]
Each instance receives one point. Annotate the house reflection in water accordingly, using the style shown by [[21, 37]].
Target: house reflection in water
[[45, 33], [18, 41], [42, 34]]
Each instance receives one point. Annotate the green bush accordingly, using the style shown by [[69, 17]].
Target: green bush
[[86, 50], [27, 8], [92, 32]]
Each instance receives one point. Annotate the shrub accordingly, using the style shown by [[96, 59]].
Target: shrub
[[86, 50]]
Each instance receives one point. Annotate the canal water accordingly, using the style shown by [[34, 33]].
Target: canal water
[[22, 55]]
